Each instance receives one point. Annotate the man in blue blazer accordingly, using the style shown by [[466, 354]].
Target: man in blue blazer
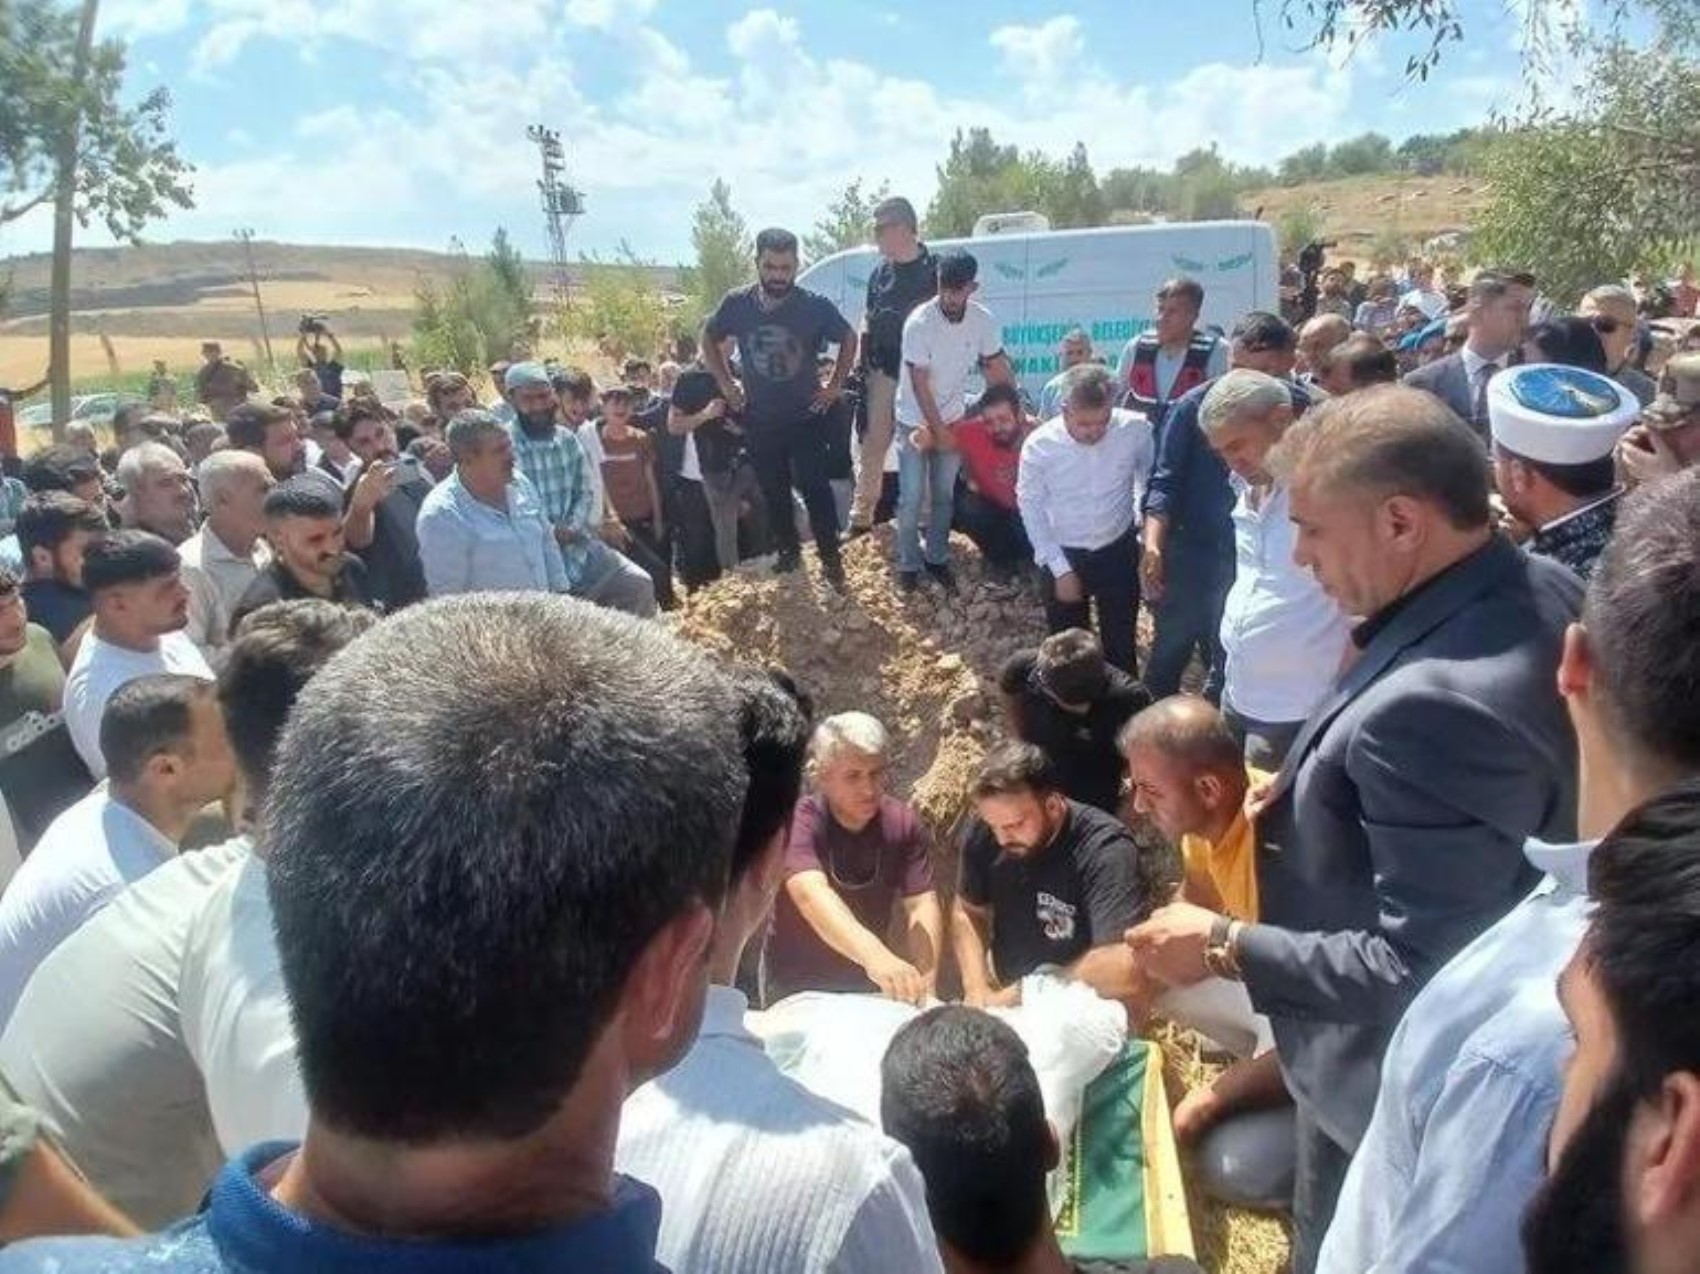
[[1393, 834], [1498, 313]]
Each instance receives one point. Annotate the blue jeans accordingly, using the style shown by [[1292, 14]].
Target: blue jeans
[[930, 476]]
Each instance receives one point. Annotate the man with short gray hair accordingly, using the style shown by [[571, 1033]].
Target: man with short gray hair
[[482, 529], [157, 494], [856, 856], [1080, 486], [1612, 313], [1393, 834], [228, 553], [1282, 636]]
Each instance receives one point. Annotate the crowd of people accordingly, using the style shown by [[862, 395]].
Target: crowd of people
[[356, 799]]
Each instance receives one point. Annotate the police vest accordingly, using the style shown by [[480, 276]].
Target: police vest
[[1142, 392]]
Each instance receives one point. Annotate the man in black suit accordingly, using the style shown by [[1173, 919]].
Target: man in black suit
[[1498, 314], [1392, 836]]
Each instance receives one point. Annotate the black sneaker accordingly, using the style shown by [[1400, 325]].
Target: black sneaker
[[832, 571], [908, 581], [787, 561], [946, 580]]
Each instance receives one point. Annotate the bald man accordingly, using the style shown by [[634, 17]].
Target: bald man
[[1317, 339]]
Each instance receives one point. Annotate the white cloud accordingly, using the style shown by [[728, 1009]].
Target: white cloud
[[785, 124], [1047, 53]]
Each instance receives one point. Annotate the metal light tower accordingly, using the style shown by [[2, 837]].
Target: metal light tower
[[562, 203]]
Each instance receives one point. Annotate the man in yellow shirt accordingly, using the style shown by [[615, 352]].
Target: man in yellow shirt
[[1190, 779]]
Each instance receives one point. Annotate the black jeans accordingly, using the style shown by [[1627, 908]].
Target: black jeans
[[997, 531], [649, 551], [690, 528], [1109, 578], [795, 455]]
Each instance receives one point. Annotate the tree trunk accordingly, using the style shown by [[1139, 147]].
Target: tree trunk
[[64, 203]]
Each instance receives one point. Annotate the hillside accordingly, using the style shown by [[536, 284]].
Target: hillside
[[163, 300], [1359, 211]]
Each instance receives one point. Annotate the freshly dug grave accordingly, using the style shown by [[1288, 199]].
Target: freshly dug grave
[[926, 666]]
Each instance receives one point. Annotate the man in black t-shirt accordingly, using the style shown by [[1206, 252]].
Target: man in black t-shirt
[[906, 276], [780, 329], [1044, 881], [53, 530], [1067, 700], [304, 529], [383, 506]]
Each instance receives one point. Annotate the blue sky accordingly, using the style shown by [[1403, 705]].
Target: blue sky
[[402, 122]]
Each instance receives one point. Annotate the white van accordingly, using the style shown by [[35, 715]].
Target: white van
[[1041, 286]]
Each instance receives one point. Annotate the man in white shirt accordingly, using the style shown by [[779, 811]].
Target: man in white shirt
[[756, 1174], [228, 553], [945, 341], [1282, 636], [1080, 486], [163, 737], [156, 1039], [1422, 294], [141, 606]]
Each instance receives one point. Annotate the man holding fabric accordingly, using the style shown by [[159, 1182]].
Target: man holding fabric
[[945, 342]]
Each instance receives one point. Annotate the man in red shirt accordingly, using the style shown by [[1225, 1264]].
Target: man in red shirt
[[990, 442]]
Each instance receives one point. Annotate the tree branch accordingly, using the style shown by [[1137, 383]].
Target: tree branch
[[9, 213]]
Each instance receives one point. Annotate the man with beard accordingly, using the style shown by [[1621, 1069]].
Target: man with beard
[[304, 529], [383, 506], [157, 494], [558, 467], [54, 529], [1625, 1148], [987, 511], [780, 329], [945, 341], [1449, 1160], [1044, 881]]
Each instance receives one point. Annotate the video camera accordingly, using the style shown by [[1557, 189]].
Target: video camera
[[314, 325]]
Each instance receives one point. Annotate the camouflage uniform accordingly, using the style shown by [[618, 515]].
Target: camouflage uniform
[[222, 386]]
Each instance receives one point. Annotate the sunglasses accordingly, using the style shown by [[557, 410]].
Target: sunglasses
[[1604, 324]]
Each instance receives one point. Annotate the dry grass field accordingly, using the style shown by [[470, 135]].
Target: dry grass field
[[1359, 211]]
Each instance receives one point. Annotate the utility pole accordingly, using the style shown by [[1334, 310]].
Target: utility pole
[[562, 205], [247, 237], [64, 214]]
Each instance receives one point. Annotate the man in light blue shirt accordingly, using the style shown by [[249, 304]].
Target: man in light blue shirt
[[1471, 1080], [482, 528]]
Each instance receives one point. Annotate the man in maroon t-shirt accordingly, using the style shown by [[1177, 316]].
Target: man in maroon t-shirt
[[855, 857], [990, 443]]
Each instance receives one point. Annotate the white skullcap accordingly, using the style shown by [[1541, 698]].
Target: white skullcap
[[1558, 415]]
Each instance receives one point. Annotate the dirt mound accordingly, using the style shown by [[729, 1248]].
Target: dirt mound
[[925, 664]]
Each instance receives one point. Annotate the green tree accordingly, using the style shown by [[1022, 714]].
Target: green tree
[[1296, 227], [1609, 186], [619, 307], [481, 312], [1305, 165], [725, 255], [1076, 199], [979, 176], [127, 170], [1361, 156], [848, 221], [1138, 190]]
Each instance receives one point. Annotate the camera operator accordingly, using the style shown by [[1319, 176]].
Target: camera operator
[[326, 365], [1311, 258]]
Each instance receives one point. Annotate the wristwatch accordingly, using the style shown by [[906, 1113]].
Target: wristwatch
[[1221, 950]]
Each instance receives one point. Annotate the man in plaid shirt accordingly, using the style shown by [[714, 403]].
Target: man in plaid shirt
[[554, 462]]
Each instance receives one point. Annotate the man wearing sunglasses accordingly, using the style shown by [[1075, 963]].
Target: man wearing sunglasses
[[1610, 310]]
